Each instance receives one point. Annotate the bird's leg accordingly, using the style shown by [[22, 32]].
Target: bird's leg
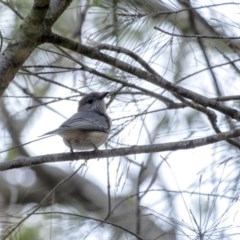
[[70, 145], [94, 146]]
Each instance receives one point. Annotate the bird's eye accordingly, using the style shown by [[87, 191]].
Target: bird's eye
[[90, 101]]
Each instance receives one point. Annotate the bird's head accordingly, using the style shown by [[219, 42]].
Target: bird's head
[[93, 101]]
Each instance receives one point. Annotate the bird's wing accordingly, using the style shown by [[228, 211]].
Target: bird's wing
[[86, 120]]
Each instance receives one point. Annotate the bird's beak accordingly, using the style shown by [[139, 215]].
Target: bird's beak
[[103, 95]]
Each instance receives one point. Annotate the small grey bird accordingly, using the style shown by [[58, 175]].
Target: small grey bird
[[89, 127]]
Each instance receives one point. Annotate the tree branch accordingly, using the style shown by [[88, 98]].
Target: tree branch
[[39, 22], [23, 43], [95, 53], [61, 157]]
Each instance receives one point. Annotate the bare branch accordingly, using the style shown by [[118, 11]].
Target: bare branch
[[61, 157], [94, 53], [24, 42]]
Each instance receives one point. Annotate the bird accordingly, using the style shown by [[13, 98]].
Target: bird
[[89, 128]]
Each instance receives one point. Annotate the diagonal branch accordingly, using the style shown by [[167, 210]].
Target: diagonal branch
[[38, 22], [23, 43], [95, 53]]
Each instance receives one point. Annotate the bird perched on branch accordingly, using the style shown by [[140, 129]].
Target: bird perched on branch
[[89, 127]]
